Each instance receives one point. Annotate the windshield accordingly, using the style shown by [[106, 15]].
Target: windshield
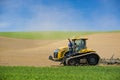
[[80, 44]]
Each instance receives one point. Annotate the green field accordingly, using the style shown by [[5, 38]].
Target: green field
[[44, 35], [60, 73], [49, 34]]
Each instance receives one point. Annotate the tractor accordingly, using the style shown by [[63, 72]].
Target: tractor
[[81, 56]]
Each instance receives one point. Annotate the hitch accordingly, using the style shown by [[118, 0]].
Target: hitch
[[51, 58]]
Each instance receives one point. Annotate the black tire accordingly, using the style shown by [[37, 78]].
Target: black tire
[[72, 62], [93, 59], [64, 60], [64, 63]]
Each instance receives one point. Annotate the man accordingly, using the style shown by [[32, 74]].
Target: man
[[70, 46], [74, 45]]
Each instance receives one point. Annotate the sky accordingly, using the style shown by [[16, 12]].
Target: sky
[[59, 15]]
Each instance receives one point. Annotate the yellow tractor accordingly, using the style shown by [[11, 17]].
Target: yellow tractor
[[81, 56]]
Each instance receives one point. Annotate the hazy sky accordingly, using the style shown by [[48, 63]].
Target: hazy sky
[[70, 15]]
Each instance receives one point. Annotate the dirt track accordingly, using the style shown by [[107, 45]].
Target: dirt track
[[21, 52]]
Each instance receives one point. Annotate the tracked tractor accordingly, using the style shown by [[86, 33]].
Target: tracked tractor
[[81, 56]]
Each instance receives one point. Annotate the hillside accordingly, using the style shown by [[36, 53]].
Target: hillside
[[29, 52]]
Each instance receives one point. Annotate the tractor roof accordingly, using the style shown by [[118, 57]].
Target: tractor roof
[[78, 38]]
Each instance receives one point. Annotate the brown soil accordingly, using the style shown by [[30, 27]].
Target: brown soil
[[22, 52]]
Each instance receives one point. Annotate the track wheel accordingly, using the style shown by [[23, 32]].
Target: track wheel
[[72, 62], [93, 59]]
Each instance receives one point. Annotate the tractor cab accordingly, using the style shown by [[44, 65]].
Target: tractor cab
[[80, 43]]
